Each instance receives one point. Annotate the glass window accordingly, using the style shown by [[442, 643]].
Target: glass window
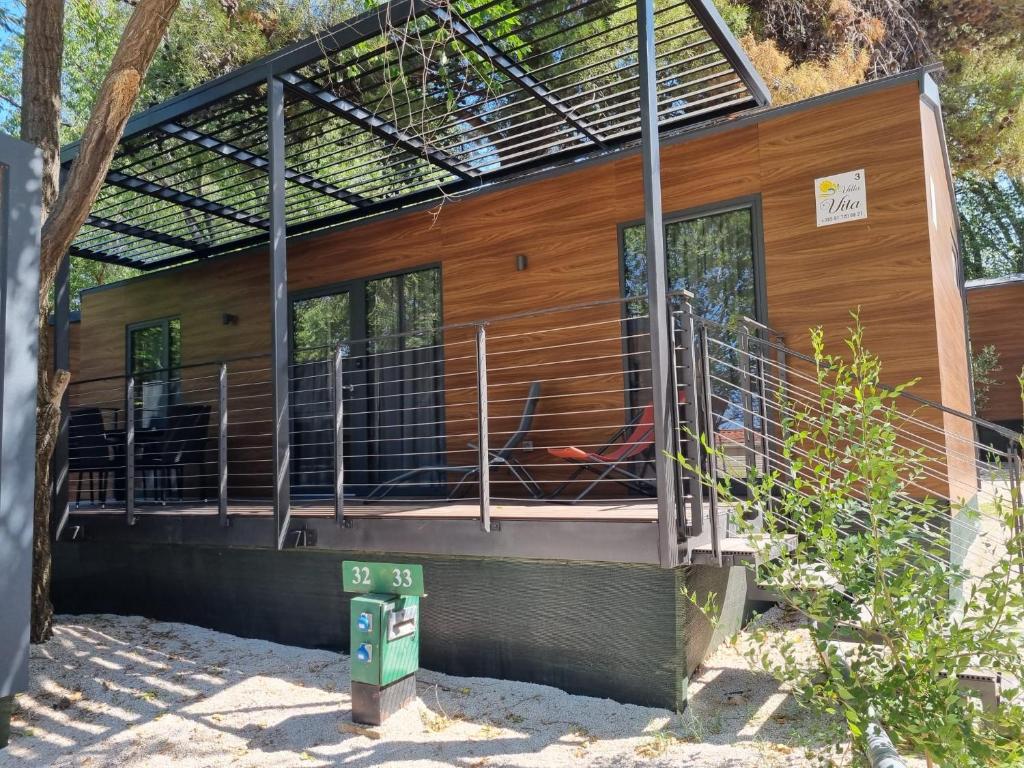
[[154, 356], [712, 257], [318, 324]]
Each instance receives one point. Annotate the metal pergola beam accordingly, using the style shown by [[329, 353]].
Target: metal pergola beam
[[279, 309], [664, 398], [141, 232], [88, 253], [368, 121], [344, 35], [244, 156], [160, 192], [516, 73]]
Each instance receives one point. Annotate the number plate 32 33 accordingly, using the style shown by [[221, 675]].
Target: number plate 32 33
[[384, 578]]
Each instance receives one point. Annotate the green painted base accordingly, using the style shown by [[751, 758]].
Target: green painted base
[[625, 632]]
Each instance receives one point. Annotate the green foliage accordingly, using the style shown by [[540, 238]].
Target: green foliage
[[983, 103], [984, 364], [872, 564], [992, 225]]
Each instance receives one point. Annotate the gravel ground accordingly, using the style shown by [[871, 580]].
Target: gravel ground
[[113, 691]]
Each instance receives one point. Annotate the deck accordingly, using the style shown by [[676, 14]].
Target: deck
[[620, 530]]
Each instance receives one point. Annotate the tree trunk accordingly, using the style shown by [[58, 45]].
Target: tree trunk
[[65, 210], [40, 125]]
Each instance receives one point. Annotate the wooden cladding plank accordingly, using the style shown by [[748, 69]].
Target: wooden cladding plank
[[950, 322], [997, 320]]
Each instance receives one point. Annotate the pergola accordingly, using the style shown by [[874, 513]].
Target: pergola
[[405, 104]]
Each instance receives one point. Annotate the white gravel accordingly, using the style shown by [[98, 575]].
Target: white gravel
[[116, 691]]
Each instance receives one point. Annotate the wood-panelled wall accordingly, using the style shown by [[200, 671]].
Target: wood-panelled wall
[[997, 319], [890, 265]]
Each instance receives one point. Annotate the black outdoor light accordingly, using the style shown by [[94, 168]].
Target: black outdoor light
[[520, 263]]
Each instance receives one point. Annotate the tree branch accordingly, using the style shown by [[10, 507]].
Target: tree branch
[[114, 104]]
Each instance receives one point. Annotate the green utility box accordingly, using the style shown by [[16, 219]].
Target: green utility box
[[384, 628], [385, 638]]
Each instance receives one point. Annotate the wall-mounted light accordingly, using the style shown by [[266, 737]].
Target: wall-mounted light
[[520, 263], [229, 319]]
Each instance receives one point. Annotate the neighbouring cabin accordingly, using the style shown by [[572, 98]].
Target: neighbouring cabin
[[454, 350], [995, 306]]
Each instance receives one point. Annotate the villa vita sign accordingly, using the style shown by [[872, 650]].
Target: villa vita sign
[[842, 197]]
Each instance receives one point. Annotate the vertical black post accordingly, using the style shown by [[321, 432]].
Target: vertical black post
[[278, 307], [677, 436], [657, 288], [709, 433], [339, 435], [129, 450], [222, 445], [691, 407], [749, 455], [61, 361], [762, 400], [482, 447], [1015, 498]]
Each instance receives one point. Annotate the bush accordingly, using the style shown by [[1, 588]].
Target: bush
[[872, 565]]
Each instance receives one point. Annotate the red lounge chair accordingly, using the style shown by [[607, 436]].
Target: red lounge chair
[[616, 458]]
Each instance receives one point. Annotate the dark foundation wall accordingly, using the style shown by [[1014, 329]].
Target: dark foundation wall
[[619, 631]]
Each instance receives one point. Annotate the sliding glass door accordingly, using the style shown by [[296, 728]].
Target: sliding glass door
[[392, 400], [154, 360], [714, 256]]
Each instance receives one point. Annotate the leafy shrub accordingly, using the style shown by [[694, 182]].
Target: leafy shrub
[[893, 618]]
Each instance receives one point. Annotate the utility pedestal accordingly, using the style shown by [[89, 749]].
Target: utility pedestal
[[385, 637]]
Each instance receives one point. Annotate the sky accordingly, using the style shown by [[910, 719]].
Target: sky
[[8, 9]]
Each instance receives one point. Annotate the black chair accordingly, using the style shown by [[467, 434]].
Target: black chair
[[182, 443], [503, 457], [89, 452]]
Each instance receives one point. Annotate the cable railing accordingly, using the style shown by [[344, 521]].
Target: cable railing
[[549, 409], [754, 387]]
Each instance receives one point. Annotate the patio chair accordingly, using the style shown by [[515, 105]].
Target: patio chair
[[504, 457], [89, 452], [630, 445], [183, 443]]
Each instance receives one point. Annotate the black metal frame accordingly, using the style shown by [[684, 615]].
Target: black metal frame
[[424, 169], [170, 148]]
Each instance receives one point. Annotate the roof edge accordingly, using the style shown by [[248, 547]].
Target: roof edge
[[994, 282]]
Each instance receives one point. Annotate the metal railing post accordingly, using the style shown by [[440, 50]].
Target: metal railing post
[[339, 436], [676, 447], [1016, 504], [690, 442], [709, 432], [781, 397], [762, 410], [129, 450], [483, 449], [222, 445], [749, 455]]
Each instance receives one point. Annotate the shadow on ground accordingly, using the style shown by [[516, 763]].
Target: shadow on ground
[[129, 691]]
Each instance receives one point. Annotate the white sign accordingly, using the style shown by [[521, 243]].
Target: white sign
[[842, 197]]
